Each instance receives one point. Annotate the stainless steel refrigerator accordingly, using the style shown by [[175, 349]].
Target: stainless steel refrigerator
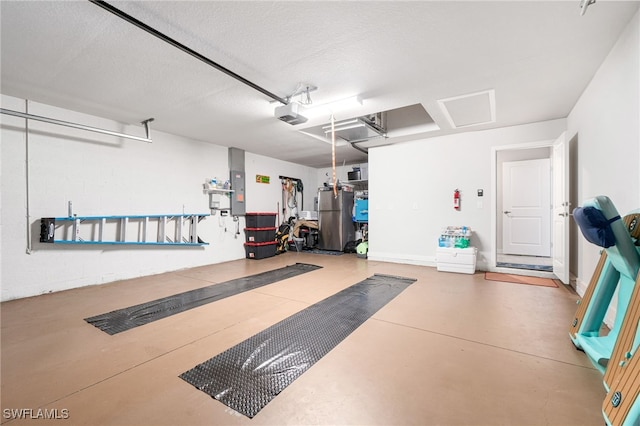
[[335, 219]]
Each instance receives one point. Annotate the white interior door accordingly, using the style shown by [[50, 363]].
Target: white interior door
[[526, 207], [561, 207]]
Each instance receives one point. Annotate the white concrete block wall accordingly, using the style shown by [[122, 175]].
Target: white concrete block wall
[[268, 197], [106, 175], [606, 123], [411, 190], [606, 120]]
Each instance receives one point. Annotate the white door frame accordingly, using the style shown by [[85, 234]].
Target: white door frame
[[494, 208], [561, 208]]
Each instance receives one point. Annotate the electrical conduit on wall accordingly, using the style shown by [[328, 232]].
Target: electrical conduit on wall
[[26, 174]]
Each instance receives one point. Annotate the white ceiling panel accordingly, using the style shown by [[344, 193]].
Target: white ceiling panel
[[472, 109]]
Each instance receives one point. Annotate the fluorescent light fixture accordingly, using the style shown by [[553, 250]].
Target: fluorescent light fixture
[[342, 123], [325, 139], [316, 110], [343, 126]]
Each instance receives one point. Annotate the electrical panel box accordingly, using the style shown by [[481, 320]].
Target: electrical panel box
[[238, 205], [237, 181]]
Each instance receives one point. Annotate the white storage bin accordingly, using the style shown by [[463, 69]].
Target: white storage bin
[[462, 260], [308, 215]]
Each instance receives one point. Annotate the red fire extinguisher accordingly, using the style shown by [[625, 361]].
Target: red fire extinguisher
[[456, 199]]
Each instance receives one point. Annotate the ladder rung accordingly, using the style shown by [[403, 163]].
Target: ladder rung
[[193, 236], [145, 225], [162, 226], [103, 222], [123, 228], [178, 228]]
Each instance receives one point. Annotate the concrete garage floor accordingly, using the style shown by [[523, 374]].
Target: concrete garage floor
[[452, 349]]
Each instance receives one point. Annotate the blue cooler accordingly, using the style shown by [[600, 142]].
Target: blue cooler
[[362, 211]]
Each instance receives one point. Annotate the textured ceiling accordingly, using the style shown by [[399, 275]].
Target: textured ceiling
[[537, 56]]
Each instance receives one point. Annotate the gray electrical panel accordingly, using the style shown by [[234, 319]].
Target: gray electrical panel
[[237, 180], [237, 196]]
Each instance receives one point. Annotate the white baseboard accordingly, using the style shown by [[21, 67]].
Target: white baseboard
[[581, 287], [408, 259]]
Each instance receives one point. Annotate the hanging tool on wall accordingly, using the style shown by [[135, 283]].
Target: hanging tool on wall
[[290, 198], [291, 188]]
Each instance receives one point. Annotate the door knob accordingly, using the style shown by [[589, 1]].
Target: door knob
[[506, 212]]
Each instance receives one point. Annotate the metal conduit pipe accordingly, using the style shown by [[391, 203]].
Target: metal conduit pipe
[[80, 126], [26, 176], [106, 6], [359, 148]]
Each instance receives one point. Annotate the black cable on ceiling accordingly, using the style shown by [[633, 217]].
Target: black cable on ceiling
[[169, 40]]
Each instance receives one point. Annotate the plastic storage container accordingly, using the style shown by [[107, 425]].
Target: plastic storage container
[[260, 250], [362, 210], [299, 243], [308, 215], [260, 235], [260, 220], [462, 260]]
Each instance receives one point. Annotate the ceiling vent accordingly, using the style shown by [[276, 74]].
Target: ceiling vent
[[359, 129], [470, 110]]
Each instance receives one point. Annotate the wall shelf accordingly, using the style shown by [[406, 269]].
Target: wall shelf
[[358, 184], [214, 198], [217, 191]]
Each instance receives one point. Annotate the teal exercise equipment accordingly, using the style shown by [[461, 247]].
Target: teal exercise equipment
[[621, 406], [601, 224]]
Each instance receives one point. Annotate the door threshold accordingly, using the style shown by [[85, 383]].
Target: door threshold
[[525, 266], [525, 272]]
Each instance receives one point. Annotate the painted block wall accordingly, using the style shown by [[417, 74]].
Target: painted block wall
[[265, 197], [106, 175], [606, 124], [411, 190]]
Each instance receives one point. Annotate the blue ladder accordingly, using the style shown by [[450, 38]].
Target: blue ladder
[[92, 229]]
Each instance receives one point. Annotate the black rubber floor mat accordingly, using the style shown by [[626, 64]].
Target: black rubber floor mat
[[329, 252], [249, 375], [125, 319]]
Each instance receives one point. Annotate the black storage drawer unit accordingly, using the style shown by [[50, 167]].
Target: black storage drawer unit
[[260, 220], [260, 250], [260, 235]]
